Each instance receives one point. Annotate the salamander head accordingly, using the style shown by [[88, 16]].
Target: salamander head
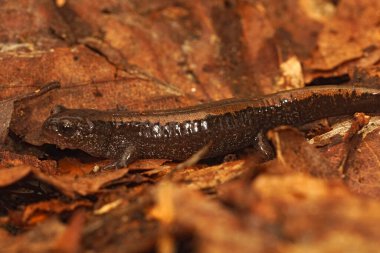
[[70, 128]]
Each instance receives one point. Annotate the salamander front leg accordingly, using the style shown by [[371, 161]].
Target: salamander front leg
[[263, 147], [128, 156]]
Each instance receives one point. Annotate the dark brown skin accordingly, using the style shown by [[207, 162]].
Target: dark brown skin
[[229, 125]]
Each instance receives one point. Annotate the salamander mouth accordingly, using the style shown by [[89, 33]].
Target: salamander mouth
[[51, 138]]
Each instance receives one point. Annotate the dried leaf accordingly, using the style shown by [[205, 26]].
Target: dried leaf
[[11, 175], [178, 206], [6, 110], [52, 206], [295, 153]]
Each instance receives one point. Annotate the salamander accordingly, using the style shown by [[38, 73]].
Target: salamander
[[226, 125]]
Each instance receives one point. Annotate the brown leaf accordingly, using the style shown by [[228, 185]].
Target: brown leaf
[[49, 236], [294, 153], [53, 206], [209, 177], [363, 165], [306, 212], [316, 213], [11, 175], [337, 44], [178, 206], [41, 239], [70, 239], [6, 110], [85, 185], [7, 107]]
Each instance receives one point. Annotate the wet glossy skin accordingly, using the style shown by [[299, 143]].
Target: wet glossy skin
[[229, 125]]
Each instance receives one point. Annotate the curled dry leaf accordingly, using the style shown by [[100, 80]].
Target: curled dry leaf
[[85, 184], [7, 107]]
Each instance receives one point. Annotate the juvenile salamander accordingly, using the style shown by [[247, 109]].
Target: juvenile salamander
[[229, 125]]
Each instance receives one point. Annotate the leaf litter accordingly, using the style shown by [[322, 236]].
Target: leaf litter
[[316, 196]]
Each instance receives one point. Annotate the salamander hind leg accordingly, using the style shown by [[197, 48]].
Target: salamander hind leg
[[128, 156]]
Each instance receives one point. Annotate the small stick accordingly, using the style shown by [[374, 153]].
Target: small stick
[[40, 91]]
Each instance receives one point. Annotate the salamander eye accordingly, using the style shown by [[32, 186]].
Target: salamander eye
[[66, 128]]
